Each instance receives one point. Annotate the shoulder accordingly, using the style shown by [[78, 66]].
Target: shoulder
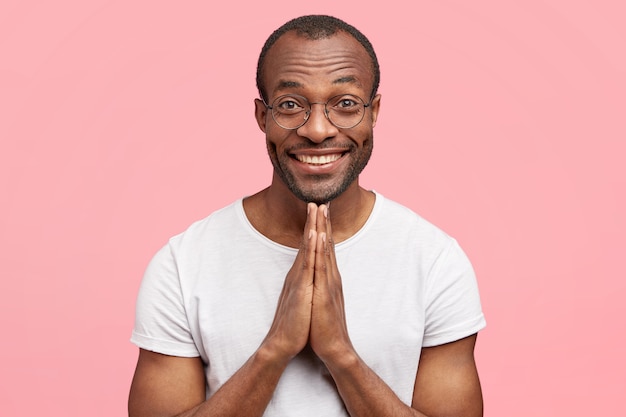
[[187, 244], [399, 219], [220, 221]]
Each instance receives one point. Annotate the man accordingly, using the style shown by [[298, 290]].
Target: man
[[313, 297]]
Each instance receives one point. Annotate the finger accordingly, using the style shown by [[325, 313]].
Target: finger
[[321, 261], [309, 238], [323, 223], [327, 217], [310, 224], [311, 219], [324, 226], [322, 219], [330, 242]]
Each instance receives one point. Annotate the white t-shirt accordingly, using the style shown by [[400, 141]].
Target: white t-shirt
[[212, 292]]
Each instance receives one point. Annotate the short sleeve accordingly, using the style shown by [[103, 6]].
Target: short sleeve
[[161, 323], [453, 309]]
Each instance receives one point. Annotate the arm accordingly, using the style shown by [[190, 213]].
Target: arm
[[165, 385], [173, 386], [446, 385], [446, 382]]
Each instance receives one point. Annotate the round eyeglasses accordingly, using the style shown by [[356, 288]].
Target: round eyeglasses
[[292, 111]]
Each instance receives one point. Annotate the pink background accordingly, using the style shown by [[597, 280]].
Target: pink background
[[503, 122]]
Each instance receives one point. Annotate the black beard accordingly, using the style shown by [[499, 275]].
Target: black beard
[[318, 195]]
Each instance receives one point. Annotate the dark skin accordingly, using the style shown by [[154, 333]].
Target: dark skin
[[310, 308]]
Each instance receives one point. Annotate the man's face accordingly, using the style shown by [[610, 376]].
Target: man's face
[[318, 161]]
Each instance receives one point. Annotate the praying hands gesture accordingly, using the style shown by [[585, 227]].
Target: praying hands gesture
[[311, 306]]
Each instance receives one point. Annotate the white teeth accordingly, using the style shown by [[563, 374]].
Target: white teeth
[[318, 159]]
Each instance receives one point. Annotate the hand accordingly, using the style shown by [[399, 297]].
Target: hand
[[290, 329], [329, 333]]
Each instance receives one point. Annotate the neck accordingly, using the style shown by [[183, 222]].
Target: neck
[[279, 215]]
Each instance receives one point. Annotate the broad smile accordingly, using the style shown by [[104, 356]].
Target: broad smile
[[318, 159]]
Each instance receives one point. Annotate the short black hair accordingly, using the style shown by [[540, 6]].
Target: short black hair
[[316, 27]]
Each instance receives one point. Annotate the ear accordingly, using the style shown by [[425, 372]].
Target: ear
[[375, 105], [260, 113]]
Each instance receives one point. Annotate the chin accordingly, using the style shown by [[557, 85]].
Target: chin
[[321, 195]]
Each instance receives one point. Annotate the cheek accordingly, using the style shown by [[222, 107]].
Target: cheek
[[363, 137], [276, 137]]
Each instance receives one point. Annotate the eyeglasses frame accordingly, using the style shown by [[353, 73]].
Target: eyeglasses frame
[[308, 112]]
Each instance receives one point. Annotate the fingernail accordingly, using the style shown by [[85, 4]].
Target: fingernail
[[326, 211]]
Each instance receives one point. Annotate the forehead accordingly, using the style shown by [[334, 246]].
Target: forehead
[[295, 62]]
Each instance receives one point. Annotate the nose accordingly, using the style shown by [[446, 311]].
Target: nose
[[317, 127]]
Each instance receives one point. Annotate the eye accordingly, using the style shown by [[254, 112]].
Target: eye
[[289, 104], [346, 104]]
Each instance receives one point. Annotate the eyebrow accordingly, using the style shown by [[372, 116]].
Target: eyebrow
[[344, 80], [285, 84], [288, 84]]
